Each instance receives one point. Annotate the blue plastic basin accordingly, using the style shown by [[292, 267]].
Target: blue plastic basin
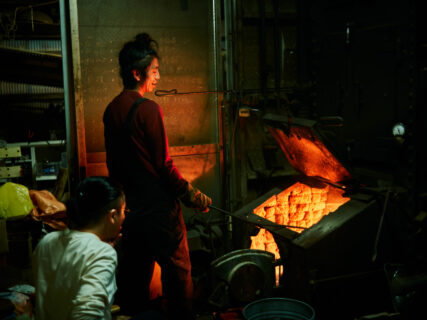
[[278, 308]]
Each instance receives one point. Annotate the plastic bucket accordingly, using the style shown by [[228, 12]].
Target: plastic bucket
[[278, 308]]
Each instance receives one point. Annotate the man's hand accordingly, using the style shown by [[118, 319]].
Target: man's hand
[[194, 198]]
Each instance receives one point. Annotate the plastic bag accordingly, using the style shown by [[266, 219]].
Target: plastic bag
[[14, 200], [23, 307], [48, 209]]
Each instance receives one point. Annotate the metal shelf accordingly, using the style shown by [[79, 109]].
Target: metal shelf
[[46, 178], [24, 66], [25, 98], [33, 159], [47, 143]]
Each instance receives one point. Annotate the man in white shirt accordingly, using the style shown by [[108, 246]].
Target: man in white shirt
[[75, 268]]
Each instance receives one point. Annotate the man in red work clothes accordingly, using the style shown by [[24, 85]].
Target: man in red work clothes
[[138, 156]]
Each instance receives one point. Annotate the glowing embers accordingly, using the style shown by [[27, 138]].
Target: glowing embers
[[298, 205]]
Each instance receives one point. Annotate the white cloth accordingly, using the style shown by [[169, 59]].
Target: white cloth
[[74, 276]]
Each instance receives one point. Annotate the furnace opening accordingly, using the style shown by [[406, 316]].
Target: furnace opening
[[300, 206]]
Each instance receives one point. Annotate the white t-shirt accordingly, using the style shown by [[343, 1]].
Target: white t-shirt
[[74, 276]]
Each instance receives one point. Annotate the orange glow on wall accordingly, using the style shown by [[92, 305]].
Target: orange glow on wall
[[307, 154]]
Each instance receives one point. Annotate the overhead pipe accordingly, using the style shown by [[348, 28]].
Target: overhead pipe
[[276, 43], [262, 47]]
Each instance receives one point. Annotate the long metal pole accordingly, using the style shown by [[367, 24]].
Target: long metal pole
[[67, 69], [76, 145], [228, 112], [215, 54], [260, 224]]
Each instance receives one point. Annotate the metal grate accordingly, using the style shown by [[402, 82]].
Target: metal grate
[[22, 88], [44, 46]]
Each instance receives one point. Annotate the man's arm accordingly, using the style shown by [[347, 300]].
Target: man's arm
[[97, 287]]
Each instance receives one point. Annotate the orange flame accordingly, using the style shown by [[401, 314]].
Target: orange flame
[[298, 205]]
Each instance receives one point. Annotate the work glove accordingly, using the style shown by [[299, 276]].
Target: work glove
[[194, 198]]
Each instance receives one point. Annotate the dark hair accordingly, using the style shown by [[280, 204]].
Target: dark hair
[[136, 55], [94, 197]]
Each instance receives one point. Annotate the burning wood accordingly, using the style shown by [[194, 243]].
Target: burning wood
[[298, 205]]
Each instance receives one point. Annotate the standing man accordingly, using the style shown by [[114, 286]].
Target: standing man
[[138, 156]]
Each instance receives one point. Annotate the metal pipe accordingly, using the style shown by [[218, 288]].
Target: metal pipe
[[262, 47], [276, 42], [343, 277], [215, 56], [380, 225], [228, 112], [67, 69]]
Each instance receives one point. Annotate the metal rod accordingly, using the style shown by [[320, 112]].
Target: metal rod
[[161, 93], [215, 61], [276, 40], [67, 20], [246, 220], [262, 47], [380, 225], [345, 276]]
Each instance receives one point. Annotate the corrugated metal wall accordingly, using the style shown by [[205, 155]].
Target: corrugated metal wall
[[36, 46], [30, 89]]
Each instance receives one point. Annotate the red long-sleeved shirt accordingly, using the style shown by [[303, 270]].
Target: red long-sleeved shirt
[[148, 135]]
